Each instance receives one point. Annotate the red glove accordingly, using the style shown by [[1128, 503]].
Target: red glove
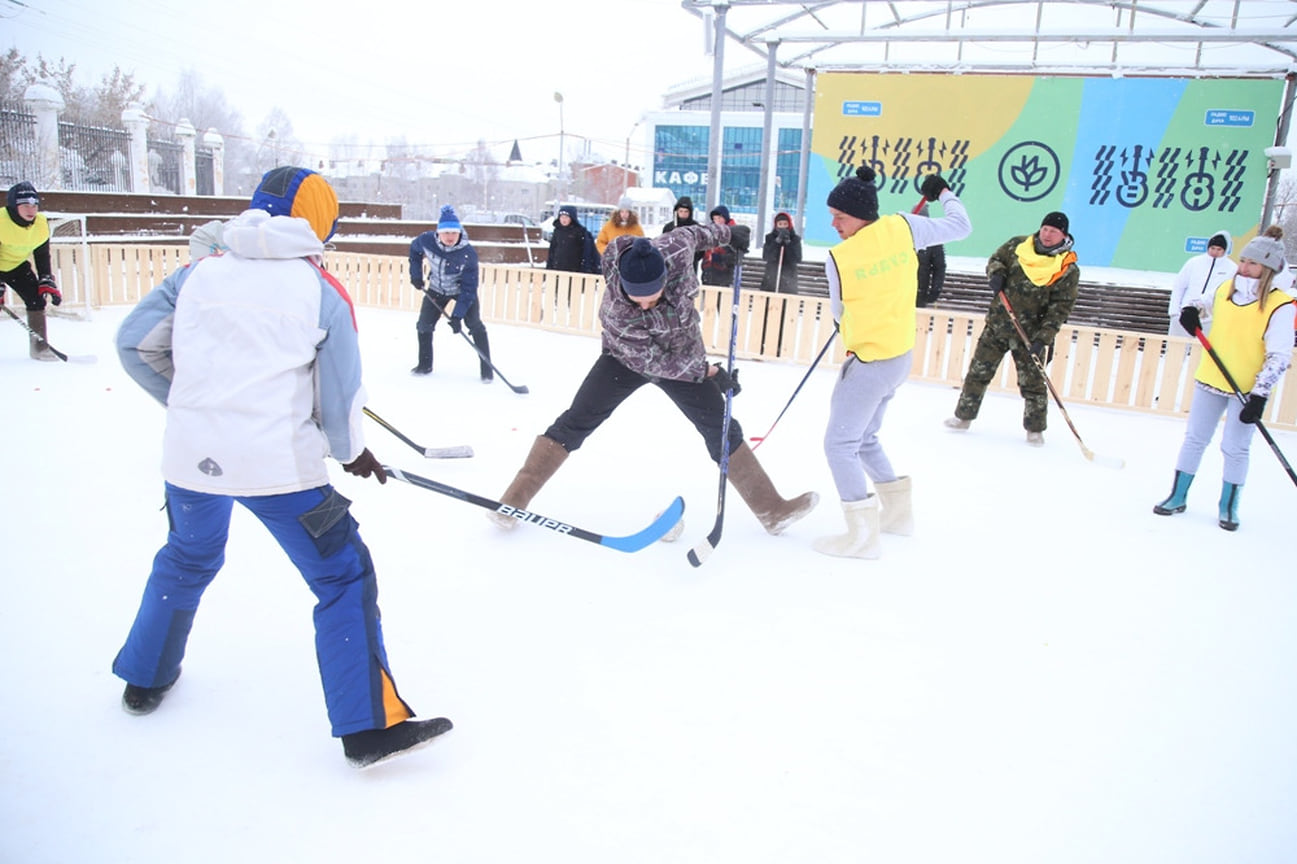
[[49, 290], [364, 465]]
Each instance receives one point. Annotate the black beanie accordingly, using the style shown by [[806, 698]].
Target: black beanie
[[1218, 240], [21, 193], [1057, 219], [857, 196], [642, 269]]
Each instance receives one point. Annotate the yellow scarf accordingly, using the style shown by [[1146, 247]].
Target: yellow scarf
[[1041, 269]]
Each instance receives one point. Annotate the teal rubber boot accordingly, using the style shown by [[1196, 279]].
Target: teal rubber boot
[[1174, 502], [1229, 506]]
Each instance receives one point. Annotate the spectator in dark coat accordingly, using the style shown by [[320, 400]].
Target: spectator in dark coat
[[719, 261], [782, 252], [571, 247]]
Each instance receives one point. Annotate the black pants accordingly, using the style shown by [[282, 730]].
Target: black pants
[[23, 280], [609, 382]]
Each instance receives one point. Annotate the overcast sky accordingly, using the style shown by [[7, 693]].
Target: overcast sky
[[486, 69]]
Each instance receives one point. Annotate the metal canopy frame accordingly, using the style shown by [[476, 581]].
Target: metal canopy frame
[[1173, 38]]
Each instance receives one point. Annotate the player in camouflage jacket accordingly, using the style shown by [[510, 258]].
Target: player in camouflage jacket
[[1039, 275], [652, 334]]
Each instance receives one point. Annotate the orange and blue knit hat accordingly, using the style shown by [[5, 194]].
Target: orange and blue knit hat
[[300, 192]]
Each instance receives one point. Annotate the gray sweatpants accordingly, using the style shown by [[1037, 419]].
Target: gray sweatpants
[[856, 412], [1204, 414]]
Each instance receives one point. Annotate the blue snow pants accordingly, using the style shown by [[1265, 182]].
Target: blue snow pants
[[320, 537]]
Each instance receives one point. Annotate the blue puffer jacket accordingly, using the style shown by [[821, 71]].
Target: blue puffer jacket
[[452, 270]]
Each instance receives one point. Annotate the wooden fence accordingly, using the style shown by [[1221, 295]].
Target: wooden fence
[[1092, 365]]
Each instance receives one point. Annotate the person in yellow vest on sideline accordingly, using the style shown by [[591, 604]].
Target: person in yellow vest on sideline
[[25, 234], [873, 282], [1251, 331]]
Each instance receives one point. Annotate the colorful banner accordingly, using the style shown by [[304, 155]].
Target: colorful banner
[[1146, 169]]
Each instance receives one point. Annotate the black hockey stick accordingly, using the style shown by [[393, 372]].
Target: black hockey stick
[[1265, 433], [463, 451], [517, 388], [704, 548], [76, 358], [628, 543], [760, 438], [1106, 461]]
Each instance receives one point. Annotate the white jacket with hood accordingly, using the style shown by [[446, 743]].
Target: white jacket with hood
[[254, 353], [1197, 280]]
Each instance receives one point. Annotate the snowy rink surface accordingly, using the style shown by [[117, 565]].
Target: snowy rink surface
[[1046, 673]]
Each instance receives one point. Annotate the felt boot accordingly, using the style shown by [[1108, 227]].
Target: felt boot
[[544, 459], [861, 539], [895, 514], [773, 510], [39, 348]]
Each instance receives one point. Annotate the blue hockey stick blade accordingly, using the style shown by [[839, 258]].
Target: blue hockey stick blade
[[651, 534]]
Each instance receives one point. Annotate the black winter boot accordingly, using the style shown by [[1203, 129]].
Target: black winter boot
[[145, 700], [484, 366], [378, 745], [425, 355]]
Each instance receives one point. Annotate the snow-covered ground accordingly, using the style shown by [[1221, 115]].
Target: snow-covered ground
[[1045, 672]]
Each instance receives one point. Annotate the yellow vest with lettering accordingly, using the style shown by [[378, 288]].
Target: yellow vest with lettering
[[878, 274], [17, 243], [1238, 335]]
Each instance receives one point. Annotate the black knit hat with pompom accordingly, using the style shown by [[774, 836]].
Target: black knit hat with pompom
[[857, 196]]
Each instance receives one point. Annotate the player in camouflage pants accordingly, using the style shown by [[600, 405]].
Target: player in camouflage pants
[[1039, 275]]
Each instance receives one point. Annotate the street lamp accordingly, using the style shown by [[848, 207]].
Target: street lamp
[[625, 165], [558, 97]]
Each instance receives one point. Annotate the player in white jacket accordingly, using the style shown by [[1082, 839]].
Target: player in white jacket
[[253, 351], [1199, 278]]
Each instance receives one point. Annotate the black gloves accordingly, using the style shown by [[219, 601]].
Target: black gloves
[[48, 289], [782, 236], [726, 381], [996, 281], [932, 187], [1251, 412], [457, 324], [364, 465], [1190, 320], [417, 283], [1042, 351]]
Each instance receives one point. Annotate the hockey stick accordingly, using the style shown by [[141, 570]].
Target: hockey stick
[[760, 438], [1265, 433], [1106, 461], [76, 358], [707, 545], [463, 451], [628, 543], [473, 345]]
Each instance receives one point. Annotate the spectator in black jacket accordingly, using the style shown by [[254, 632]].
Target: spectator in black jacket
[[932, 271], [719, 261], [782, 252], [571, 247]]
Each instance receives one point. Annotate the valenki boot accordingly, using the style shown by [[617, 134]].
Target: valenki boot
[[895, 513], [546, 456], [39, 348], [753, 484], [1175, 502], [1229, 506], [485, 372], [861, 539]]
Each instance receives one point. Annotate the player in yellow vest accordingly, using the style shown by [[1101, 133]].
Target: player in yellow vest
[[872, 287], [24, 234], [1251, 329], [1039, 275]]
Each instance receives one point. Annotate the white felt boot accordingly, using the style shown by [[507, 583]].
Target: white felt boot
[[861, 539]]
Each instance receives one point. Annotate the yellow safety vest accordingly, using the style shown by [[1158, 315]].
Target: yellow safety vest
[[17, 243], [1238, 335], [878, 274]]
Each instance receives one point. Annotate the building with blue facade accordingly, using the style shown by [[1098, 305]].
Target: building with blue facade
[[677, 143]]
